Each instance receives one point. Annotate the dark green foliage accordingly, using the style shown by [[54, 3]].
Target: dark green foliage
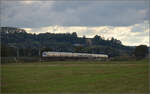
[[29, 44], [7, 51], [141, 51]]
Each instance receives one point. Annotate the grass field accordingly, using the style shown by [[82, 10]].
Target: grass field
[[76, 77]]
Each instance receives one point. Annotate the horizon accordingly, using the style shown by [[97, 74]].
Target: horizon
[[126, 21], [37, 33]]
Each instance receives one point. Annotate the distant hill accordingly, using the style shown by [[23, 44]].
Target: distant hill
[[67, 42]]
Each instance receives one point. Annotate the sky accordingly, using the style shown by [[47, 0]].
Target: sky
[[125, 20]]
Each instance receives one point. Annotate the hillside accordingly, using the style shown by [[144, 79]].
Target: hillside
[[29, 44]]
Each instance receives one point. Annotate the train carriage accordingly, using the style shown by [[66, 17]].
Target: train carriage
[[65, 55]]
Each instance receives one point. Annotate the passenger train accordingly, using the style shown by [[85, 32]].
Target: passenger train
[[47, 54]]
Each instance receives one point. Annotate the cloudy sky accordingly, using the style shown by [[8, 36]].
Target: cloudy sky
[[125, 20]]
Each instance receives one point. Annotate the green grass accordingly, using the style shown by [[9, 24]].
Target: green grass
[[76, 77]]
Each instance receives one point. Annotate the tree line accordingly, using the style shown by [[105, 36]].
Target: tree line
[[16, 41]]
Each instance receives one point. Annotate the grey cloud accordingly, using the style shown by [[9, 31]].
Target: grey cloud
[[74, 13]]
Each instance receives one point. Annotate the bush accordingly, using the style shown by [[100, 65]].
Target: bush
[[141, 51]]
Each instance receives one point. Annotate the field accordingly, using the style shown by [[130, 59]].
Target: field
[[76, 77]]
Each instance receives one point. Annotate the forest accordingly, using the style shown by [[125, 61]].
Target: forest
[[16, 41]]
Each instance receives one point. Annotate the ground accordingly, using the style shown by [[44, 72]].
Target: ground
[[76, 77]]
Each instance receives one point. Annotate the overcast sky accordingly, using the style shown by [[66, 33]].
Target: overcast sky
[[125, 20]]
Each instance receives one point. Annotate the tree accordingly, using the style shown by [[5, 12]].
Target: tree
[[141, 51], [96, 40], [74, 34], [84, 37]]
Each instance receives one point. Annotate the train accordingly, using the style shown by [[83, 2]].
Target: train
[[48, 54]]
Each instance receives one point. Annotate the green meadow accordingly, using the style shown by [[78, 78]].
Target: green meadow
[[76, 77]]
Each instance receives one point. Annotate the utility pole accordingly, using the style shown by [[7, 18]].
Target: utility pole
[[17, 52], [39, 52]]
